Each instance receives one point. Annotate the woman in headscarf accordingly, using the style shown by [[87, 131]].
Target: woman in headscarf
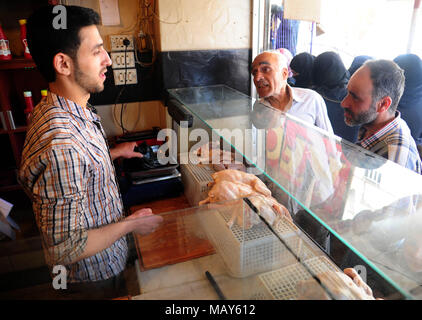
[[357, 62], [410, 104], [301, 67], [330, 78]]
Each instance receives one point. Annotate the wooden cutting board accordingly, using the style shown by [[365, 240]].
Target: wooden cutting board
[[176, 240]]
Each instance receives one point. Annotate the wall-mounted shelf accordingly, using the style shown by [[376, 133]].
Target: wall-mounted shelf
[[17, 63], [16, 75]]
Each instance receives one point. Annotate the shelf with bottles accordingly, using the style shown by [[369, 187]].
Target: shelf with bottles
[[13, 131], [17, 63], [12, 101], [7, 160], [8, 181], [17, 141], [19, 129], [10, 161]]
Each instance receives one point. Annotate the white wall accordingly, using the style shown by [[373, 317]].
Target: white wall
[[204, 24]]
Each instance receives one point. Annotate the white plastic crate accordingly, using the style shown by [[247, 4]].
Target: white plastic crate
[[195, 180], [281, 284], [247, 252]]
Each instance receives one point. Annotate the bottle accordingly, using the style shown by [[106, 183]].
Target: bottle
[[29, 105], [26, 52], [43, 93], [5, 53]]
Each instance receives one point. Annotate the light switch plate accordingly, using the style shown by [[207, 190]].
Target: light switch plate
[[119, 76], [116, 42], [118, 59]]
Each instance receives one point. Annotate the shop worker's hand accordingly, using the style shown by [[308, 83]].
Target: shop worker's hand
[[125, 150], [145, 221]]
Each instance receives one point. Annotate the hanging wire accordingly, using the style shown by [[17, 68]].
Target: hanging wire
[[145, 32], [123, 106], [121, 111]]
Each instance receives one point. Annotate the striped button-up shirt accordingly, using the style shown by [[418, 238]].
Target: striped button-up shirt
[[67, 170], [393, 142]]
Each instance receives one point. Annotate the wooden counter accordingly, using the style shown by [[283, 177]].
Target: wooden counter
[[175, 240]]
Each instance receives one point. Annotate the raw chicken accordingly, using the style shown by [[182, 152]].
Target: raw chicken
[[235, 166], [227, 190], [266, 207], [242, 177], [211, 153], [233, 184], [340, 286]]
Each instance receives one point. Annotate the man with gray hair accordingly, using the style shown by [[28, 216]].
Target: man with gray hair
[[270, 73], [374, 92]]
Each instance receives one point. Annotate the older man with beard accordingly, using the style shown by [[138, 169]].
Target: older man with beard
[[374, 92], [270, 73]]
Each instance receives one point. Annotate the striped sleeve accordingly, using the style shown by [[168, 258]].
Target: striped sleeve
[[401, 151], [59, 197]]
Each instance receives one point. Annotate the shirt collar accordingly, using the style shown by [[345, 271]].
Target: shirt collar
[[72, 107], [392, 125], [293, 94], [294, 97]]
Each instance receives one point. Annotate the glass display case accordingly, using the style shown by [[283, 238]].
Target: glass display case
[[253, 259], [358, 209]]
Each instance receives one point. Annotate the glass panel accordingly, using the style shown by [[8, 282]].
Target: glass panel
[[253, 257], [364, 201]]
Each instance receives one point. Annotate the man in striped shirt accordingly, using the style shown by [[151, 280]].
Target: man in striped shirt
[[374, 92], [66, 164]]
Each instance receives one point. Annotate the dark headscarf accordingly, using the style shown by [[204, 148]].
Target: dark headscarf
[[329, 71], [302, 64], [330, 80], [357, 62], [410, 104]]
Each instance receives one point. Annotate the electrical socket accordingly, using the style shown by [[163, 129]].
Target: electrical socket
[[119, 76], [116, 42], [118, 59]]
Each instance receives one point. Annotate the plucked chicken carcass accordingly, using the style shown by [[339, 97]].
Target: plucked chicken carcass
[[237, 176], [211, 153], [266, 206], [224, 166], [340, 286], [227, 190], [233, 184]]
